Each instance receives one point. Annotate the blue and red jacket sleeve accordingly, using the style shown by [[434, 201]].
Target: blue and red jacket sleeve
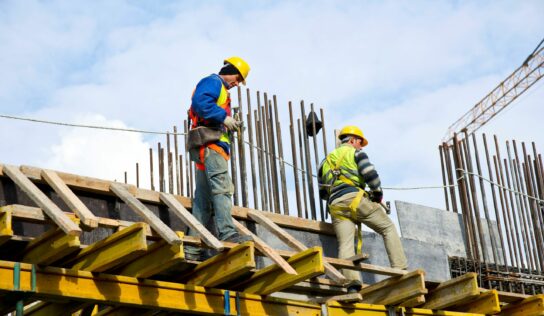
[[204, 100]]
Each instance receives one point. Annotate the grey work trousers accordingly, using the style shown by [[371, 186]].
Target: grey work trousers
[[372, 215]]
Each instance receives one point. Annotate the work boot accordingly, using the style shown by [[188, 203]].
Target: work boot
[[354, 286], [237, 238]]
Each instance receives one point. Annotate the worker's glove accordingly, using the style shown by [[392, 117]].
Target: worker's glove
[[230, 123], [376, 196], [239, 124]]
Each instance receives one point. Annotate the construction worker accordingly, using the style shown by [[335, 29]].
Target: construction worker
[[343, 175], [212, 123]]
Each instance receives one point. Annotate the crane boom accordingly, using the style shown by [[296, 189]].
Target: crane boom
[[500, 97]]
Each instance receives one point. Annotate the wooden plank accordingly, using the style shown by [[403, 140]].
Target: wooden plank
[[264, 248], [52, 210], [115, 250], [74, 203], [308, 264], [160, 256], [453, 292], [531, 306], [50, 247], [155, 222], [344, 298], [224, 267], [191, 221], [6, 232], [293, 243], [486, 303], [395, 290], [507, 297], [358, 257]]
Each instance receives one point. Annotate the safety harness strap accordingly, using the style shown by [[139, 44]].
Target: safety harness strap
[[338, 213]]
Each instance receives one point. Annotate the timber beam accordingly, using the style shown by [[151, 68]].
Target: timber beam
[[486, 303], [531, 306], [293, 243], [36, 195], [50, 247], [74, 203], [113, 251], [160, 256], [307, 264], [153, 220], [68, 284], [453, 292], [224, 267], [395, 290], [6, 232]]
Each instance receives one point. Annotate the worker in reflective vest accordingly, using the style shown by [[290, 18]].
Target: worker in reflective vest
[[210, 107], [343, 176]]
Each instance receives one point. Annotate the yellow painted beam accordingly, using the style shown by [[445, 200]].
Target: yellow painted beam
[[453, 292], [51, 247], [363, 309], [119, 248], [416, 301], [66, 284], [531, 306], [487, 303], [224, 267], [307, 264], [6, 232], [396, 290], [160, 256]]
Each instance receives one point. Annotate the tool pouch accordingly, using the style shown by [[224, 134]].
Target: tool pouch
[[202, 135]]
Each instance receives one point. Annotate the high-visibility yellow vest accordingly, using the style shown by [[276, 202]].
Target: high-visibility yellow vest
[[339, 167]]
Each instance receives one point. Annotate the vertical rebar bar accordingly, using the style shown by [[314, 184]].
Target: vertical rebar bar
[[440, 150], [126, 177], [316, 159], [492, 239], [241, 153], [517, 227], [170, 165], [151, 169], [181, 179], [519, 208], [176, 152], [295, 162], [272, 150], [266, 153], [474, 214], [303, 173], [285, 198], [450, 175], [308, 163], [262, 164], [137, 175], [495, 206], [251, 151], [462, 196], [509, 230], [533, 210], [234, 167], [325, 152], [159, 150]]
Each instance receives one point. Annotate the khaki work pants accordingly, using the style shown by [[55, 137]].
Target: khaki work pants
[[372, 215]]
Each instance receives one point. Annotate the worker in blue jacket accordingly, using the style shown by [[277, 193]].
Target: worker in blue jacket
[[211, 108]]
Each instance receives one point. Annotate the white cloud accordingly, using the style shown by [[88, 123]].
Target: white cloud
[[100, 153]]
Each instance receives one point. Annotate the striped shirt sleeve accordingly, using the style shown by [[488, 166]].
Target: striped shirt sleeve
[[367, 170]]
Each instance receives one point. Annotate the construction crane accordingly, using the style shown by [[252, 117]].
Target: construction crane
[[500, 97]]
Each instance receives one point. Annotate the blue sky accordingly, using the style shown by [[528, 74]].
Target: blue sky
[[403, 71]]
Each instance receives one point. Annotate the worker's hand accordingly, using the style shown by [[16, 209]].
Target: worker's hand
[[230, 123], [377, 196]]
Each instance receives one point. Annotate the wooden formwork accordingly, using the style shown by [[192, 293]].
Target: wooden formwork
[[141, 268]]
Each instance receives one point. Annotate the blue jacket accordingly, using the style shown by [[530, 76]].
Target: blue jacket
[[204, 102]]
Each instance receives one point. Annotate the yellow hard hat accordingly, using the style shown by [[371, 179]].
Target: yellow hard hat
[[354, 131], [241, 65]]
